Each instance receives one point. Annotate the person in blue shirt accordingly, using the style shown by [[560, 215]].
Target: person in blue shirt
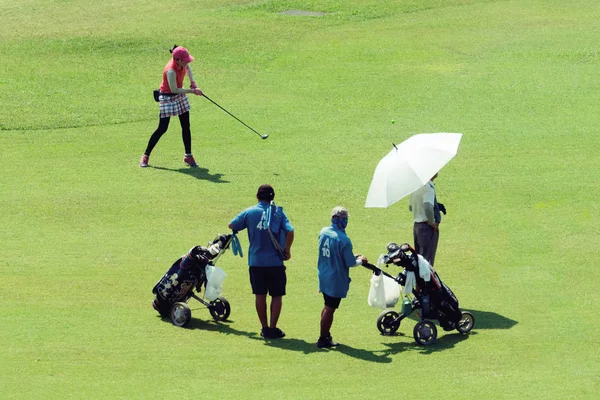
[[335, 260], [271, 235]]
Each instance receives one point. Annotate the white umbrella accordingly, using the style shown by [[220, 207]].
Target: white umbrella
[[409, 166]]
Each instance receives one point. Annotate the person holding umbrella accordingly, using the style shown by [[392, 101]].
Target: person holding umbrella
[[174, 103], [410, 168], [335, 260], [427, 217]]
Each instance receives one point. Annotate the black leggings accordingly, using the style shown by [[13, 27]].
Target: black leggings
[[163, 125]]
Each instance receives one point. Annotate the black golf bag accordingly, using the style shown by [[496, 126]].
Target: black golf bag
[[434, 297], [185, 275]]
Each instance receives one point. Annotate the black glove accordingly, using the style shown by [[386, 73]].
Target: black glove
[[442, 208]]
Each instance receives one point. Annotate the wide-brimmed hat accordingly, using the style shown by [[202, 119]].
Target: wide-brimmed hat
[[182, 54]]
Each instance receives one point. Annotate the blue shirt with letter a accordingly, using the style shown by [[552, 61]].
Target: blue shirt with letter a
[[262, 252], [335, 259]]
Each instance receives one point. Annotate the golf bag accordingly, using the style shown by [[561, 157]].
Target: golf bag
[[186, 274], [428, 293], [434, 297]]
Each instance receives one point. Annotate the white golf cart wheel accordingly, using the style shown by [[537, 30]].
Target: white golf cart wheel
[[425, 332], [388, 322], [180, 314], [466, 323]]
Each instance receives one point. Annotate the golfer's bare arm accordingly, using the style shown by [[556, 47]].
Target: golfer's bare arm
[[172, 79], [189, 73]]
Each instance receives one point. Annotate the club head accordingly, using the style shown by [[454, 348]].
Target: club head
[[264, 136]]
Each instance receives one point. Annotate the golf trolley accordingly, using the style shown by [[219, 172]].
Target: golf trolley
[[186, 278], [428, 294]]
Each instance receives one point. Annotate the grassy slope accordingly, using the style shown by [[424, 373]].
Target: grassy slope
[[86, 233]]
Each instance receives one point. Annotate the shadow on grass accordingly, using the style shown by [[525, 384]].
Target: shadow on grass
[[311, 347], [444, 341], [491, 320], [483, 319], [198, 173], [447, 340], [218, 326], [211, 325], [287, 343]]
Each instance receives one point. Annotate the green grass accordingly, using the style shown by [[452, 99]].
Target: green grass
[[85, 233]]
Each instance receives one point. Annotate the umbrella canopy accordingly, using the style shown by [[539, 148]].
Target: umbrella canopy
[[409, 166]]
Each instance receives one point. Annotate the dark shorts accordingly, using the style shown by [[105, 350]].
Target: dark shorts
[[268, 280], [333, 302]]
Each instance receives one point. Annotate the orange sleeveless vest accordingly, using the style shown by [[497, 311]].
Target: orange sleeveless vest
[[180, 73]]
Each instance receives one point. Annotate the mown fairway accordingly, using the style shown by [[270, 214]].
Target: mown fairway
[[85, 233]]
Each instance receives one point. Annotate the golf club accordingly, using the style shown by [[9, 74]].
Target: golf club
[[242, 122]]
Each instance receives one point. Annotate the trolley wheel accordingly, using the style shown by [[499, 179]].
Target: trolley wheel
[[425, 332], [388, 322], [220, 309], [466, 323], [180, 314]]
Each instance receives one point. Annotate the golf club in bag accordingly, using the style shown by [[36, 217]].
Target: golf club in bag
[[239, 120]]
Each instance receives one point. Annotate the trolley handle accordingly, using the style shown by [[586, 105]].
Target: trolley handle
[[378, 271]]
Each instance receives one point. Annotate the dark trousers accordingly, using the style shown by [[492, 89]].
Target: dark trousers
[[426, 240], [163, 125]]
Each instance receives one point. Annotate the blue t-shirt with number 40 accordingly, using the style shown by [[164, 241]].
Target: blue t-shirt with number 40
[[262, 252]]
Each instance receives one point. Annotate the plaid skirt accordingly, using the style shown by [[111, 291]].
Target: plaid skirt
[[172, 106]]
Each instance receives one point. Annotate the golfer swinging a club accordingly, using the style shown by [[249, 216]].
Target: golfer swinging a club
[[174, 102]]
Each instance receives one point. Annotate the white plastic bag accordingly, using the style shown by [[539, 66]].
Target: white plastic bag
[[377, 292], [214, 282], [392, 291]]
